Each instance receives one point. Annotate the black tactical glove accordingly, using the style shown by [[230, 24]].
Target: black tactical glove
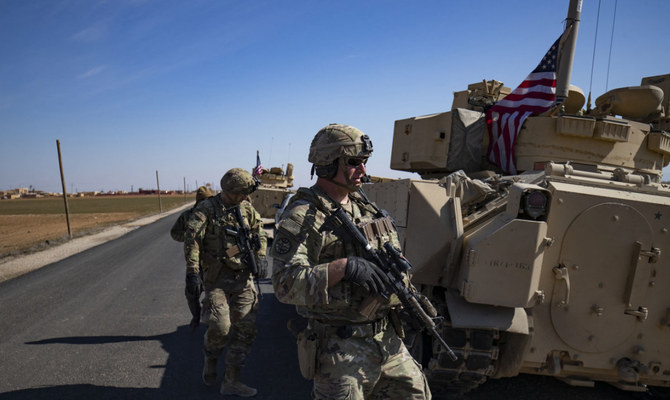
[[262, 263], [365, 274], [193, 284]]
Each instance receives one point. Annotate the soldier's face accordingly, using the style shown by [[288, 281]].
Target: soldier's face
[[351, 171], [233, 198]]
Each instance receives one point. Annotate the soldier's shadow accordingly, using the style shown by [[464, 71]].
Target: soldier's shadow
[[272, 366]]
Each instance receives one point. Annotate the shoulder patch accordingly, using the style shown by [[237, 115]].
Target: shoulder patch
[[290, 226], [200, 215], [282, 245]]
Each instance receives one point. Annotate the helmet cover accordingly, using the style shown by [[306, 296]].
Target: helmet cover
[[338, 140], [203, 193], [238, 180]]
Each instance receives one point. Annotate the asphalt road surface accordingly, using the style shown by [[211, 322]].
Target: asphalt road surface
[[112, 323]]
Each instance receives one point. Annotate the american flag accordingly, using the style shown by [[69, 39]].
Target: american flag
[[259, 168], [535, 95]]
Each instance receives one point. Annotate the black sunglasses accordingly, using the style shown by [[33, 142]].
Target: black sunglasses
[[355, 162]]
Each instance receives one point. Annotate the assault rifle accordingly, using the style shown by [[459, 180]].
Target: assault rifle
[[247, 243], [394, 265]]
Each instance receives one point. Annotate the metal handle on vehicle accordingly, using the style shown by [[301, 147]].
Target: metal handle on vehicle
[[561, 273]]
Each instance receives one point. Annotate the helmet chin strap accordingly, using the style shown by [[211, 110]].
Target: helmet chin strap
[[349, 186]]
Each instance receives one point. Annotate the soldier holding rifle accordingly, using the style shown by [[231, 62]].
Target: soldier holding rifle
[[230, 305], [352, 346]]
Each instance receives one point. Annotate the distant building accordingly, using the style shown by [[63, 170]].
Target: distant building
[[14, 193]]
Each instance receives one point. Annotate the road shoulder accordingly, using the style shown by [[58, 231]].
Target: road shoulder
[[12, 267]]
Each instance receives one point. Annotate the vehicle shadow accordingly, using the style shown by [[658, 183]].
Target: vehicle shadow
[[272, 366]]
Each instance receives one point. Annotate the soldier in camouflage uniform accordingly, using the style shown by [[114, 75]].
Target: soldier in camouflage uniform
[[177, 232], [351, 350], [230, 305], [179, 227]]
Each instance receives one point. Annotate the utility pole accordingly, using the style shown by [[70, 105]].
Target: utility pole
[[62, 180], [184, 189], [160, 205]]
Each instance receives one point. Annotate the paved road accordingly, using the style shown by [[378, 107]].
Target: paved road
[[111, 323]]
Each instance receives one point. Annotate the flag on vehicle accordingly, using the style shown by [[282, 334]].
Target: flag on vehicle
[[259, 168], [535, 95]]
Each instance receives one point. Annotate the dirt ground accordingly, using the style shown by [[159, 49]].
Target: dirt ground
[[22, 234], [88, 231]]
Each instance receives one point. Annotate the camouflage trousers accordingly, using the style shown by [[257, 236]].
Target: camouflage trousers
[[373, 367], [229, 310]]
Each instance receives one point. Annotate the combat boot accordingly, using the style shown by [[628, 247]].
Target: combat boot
[[209, 371], [231, 384]]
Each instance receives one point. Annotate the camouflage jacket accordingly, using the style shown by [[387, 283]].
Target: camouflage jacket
[[209, 230], [179, 228], [302, 250]]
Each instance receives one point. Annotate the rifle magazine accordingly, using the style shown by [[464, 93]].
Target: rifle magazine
[[370, 306]]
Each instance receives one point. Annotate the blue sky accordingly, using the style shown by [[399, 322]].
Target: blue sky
[[194, 88]]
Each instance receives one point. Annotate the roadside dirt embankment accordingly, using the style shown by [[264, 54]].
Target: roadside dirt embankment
[[13, 266]]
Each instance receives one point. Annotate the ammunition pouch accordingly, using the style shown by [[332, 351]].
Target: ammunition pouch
[[396, 322], [308, 351], [213, 265]]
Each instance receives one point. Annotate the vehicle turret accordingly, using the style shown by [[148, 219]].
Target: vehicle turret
[[625, 130], [275, 185]]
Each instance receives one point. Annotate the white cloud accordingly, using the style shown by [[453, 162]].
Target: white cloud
[[92, 72], [91, 34]]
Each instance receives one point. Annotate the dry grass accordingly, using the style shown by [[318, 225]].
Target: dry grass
[[28, 233], [24, 232]]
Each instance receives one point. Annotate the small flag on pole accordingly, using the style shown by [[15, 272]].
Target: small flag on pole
[[535, 95], [259, 168]]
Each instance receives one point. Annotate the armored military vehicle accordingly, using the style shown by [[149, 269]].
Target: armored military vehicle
[[275, 185], [561, 269]]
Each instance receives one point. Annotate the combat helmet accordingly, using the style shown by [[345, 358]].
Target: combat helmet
[[335, 141], [238, 180], [203, 193]]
